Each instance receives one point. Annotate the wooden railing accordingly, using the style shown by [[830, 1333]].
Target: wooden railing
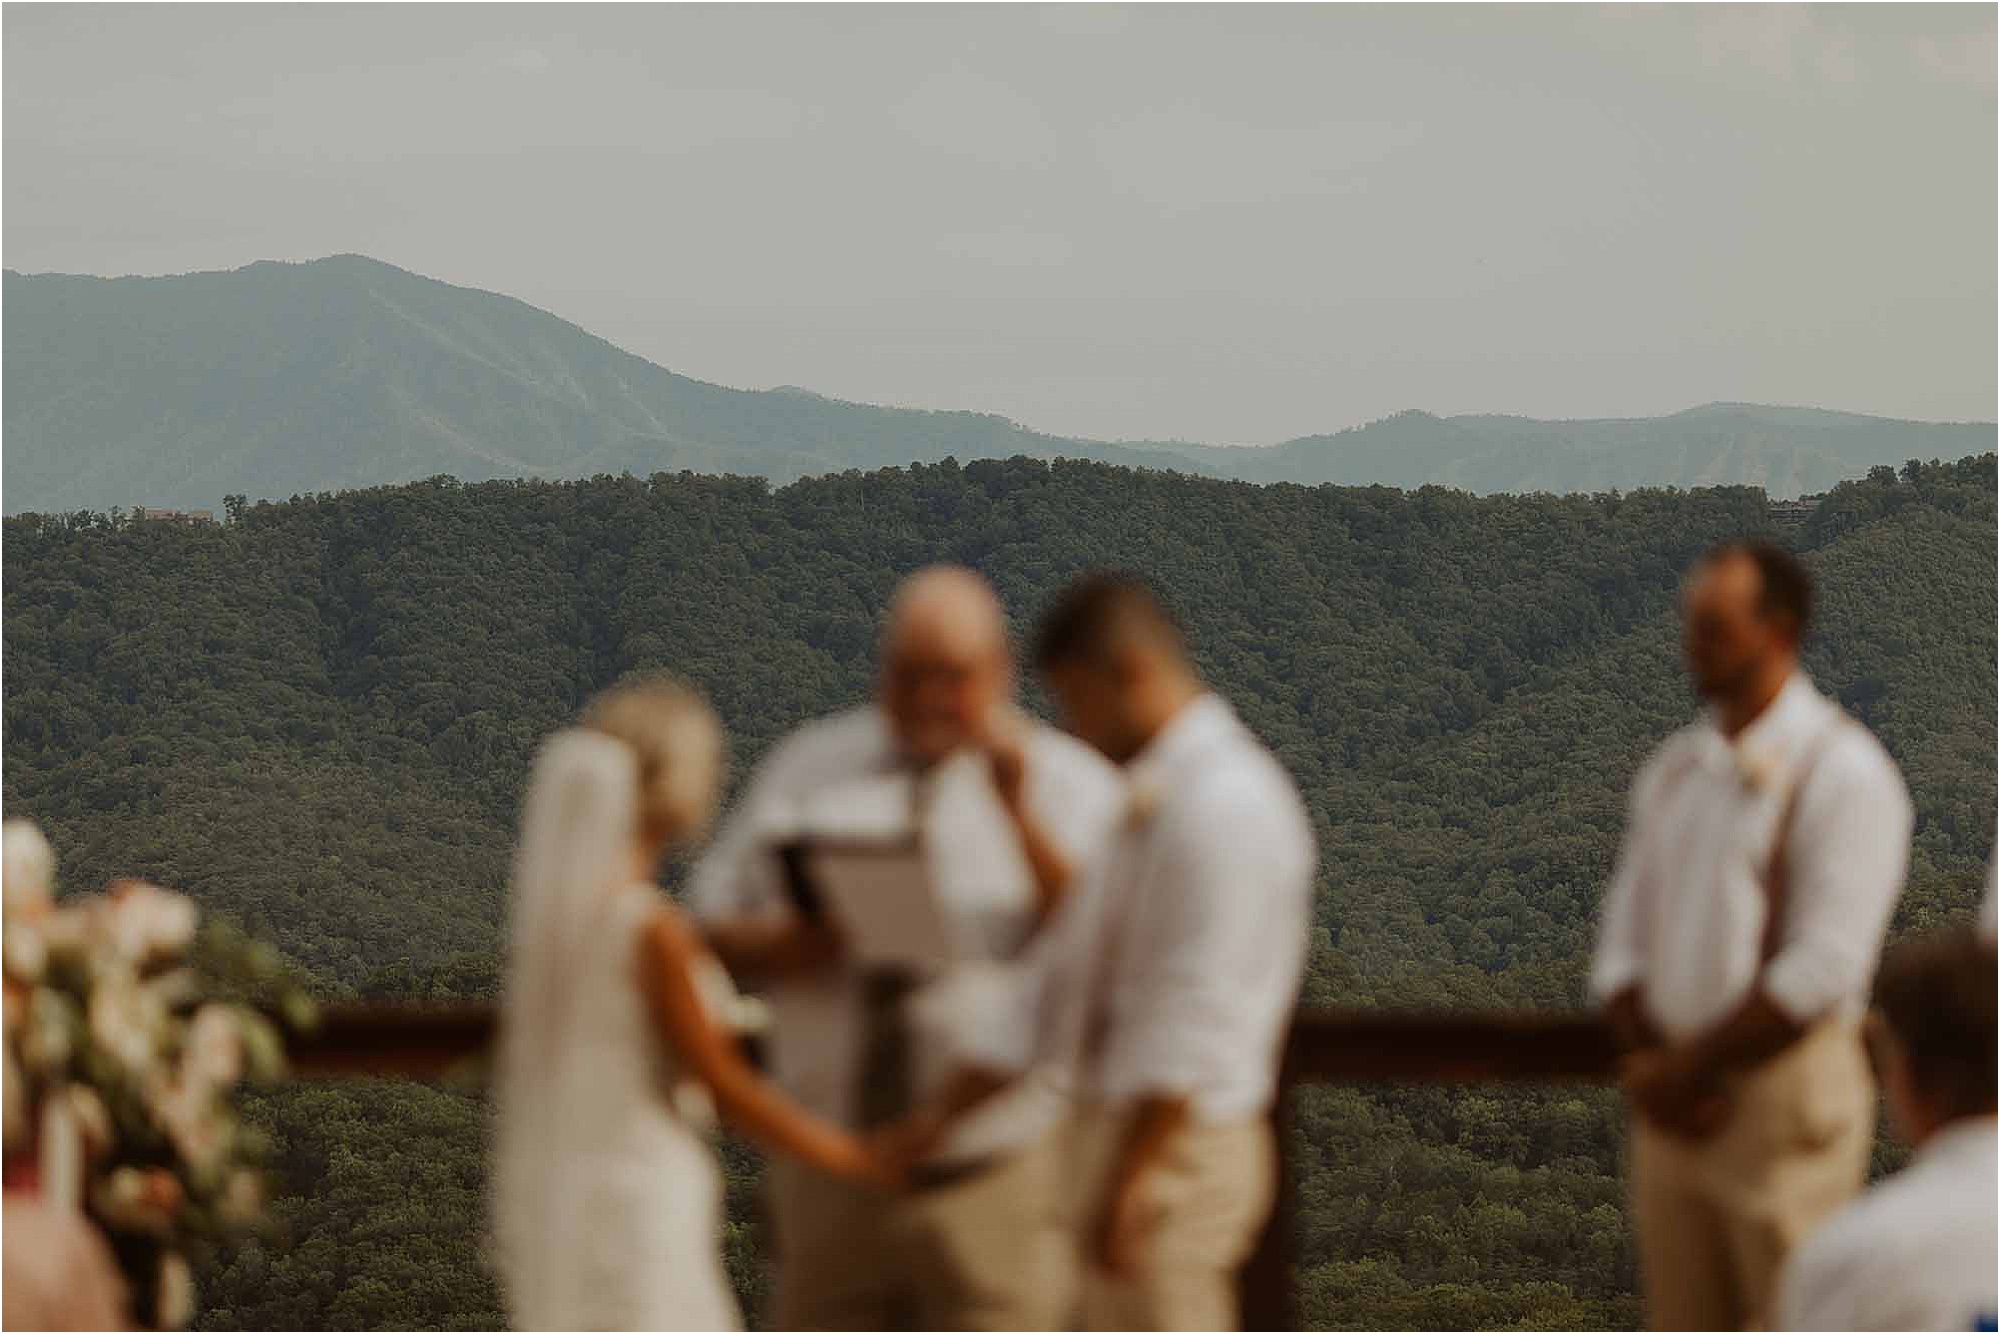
[[1403, 1047], [1326, 1046]]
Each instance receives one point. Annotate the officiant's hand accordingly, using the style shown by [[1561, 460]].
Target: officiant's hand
[[1001, 737]]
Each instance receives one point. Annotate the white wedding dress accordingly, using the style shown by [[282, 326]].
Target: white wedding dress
[[607, 1196]]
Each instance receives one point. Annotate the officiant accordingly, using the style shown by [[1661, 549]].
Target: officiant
[[1004, 811]]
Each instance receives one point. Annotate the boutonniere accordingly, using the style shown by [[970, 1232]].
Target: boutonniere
[[1755, 771], [1142, 802]]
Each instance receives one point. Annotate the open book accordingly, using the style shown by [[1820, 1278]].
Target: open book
[[877, 892]]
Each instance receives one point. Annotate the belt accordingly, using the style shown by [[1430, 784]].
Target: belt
[[937, 1176]]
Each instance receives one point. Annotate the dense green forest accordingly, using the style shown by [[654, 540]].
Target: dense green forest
[[276, 379], [317, 717]]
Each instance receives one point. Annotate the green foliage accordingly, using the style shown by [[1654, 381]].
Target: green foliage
[[317, 718]]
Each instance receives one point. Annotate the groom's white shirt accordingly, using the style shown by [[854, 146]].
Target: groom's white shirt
[[836, 769]]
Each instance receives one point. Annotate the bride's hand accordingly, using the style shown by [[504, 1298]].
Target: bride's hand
[[904, 1143], [872, 1167]]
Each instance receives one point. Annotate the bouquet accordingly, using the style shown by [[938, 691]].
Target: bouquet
[[129, 1024]]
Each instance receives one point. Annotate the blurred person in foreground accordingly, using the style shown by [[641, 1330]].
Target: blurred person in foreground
[[615, 1047], [1918, 1251], [1006, 810], [59, 1272], [1170, 986], [1764, 851]]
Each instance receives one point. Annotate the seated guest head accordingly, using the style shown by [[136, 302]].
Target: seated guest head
[[945, 669], [1932, 1034], [1744, 611], [1116, 662], [678, 742]]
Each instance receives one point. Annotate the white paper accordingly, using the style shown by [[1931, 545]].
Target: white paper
[[881, 895]]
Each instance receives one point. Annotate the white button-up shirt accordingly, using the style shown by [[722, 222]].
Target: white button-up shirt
[[1916, 1252], [1684, 917], [1176, 973], [842, 775]]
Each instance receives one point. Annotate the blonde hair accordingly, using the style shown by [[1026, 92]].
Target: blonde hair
[[678, 742]]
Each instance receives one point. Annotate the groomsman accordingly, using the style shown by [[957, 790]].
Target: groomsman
[[1171, 984], [1763, 855], [1917, 1251], [1007, 808]]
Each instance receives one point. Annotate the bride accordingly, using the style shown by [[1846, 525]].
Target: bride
[[607, 1197]]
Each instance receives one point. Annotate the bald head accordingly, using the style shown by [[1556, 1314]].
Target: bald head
[[948, 607], [946, 669]]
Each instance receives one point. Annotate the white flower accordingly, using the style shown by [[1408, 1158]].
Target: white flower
[[70, 931], [51, 1035], [138, 1199], [191, 1117], [173, 990], [92, 1119], [242, 1198], [263, 1048], [212, 1056], [1755, 770], [1142, 803], [27, 869], [123, 1025], [175, 1307], [149, 923], [25, 952]]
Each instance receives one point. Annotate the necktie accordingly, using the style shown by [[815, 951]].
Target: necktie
[[885, 1091]]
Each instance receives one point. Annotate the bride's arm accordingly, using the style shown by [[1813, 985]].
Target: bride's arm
[[668, 951]]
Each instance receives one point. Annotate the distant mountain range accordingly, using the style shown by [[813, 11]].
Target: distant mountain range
[[280, 379]]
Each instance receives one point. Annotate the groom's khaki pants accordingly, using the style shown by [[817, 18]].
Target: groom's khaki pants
[[1717, 1219], [1212, 1188], [984, 1252]]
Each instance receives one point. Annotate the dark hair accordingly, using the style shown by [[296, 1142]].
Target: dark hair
[[1787, 587], [1096, 611], [1936, 995]]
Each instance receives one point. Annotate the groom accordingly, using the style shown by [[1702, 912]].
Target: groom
[[1008, 809]]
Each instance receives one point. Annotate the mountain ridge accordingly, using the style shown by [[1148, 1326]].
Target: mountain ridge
[[296, 377]]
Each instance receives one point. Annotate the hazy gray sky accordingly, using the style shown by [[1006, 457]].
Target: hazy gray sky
[[1234, 224]]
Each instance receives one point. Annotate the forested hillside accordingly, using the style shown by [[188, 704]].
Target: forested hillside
[[276, 380], [317, 718]]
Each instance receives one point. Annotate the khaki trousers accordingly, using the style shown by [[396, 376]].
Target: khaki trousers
[[1213, 1187], [1716, 1220], [985, 1252]]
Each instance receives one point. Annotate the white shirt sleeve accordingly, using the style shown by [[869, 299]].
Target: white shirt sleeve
[[1849, 850], [1013, 1015], [1225, 906], [1811, 1294], [739, 876], [1851, 1275], [1617, 964], [983, 1014], [1076, 796]]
